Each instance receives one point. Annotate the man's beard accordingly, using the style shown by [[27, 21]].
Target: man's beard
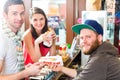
[[93, 47]]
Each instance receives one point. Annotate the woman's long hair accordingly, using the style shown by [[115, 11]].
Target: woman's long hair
[[36, 10]]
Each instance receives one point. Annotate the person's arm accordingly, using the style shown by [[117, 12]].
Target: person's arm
[[53, 47], [1, 65], [70, 72], [31, 70], [33, 49], [53, 50], [13, 76], [17, 76]]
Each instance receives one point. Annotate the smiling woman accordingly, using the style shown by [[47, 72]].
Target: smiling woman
[[56, 15], [36, 35]]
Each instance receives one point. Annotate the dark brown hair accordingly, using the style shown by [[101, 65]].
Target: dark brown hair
[[36, 10], [11, 2]]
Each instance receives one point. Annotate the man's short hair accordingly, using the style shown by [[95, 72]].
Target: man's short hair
[[11, 2]]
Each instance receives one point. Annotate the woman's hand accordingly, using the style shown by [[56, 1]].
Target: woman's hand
[[46, 37], [49, 37], [53, 35], [39, 39]]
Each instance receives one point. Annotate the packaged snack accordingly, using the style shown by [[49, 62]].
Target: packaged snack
[[49, 35], [51, 60]]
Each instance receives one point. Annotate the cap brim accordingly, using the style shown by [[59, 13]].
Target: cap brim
[[78, 27]]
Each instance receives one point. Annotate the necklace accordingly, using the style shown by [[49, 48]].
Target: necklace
[[17, 40]]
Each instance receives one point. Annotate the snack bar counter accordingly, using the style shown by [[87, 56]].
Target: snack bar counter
[[71, 62], [48, 74]]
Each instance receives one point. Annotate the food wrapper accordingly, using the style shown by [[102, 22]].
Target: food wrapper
[[51, 60]]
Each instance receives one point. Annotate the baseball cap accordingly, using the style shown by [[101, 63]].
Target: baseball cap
[[88, 24]]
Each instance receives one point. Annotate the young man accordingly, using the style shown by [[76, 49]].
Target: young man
[[103, 63], [11, 56]]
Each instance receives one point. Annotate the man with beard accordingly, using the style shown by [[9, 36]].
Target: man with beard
[[103, 63]]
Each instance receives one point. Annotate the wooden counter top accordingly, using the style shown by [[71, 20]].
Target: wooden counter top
[[66, 64]]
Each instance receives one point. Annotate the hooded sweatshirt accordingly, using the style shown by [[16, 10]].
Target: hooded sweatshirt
[[103, 64]]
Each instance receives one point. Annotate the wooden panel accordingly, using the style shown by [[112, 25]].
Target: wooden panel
[[81, 7], [28, 4], [70, 20], [73, 13]]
